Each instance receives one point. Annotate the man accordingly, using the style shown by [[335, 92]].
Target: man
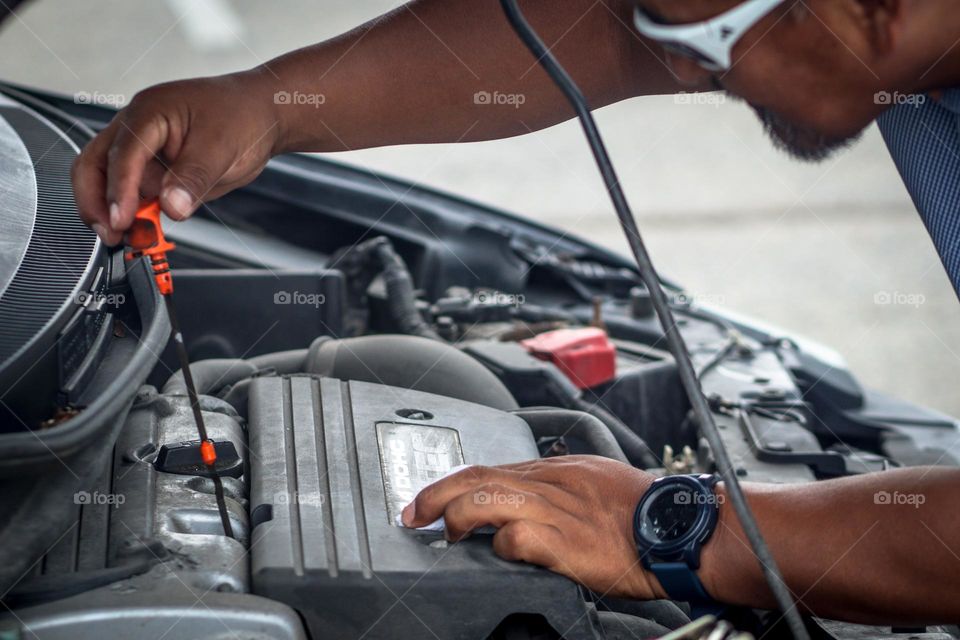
[[817, 73]]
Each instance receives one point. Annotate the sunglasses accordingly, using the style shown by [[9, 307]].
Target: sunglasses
[[709, 43]]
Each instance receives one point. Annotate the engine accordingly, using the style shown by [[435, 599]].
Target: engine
[[316, 470], [339, 373]]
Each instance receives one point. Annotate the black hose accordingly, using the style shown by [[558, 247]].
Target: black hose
[[635, 447], [283, 362], [401, 296], [216, 373], [678, 347], [211, 375], [48, 588], [410, 362], [547, 422]]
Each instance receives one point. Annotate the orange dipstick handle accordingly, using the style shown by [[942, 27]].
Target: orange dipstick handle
[[145, 238], [208, 453]]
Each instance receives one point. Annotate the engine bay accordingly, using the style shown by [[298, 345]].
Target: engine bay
[[373, 337]]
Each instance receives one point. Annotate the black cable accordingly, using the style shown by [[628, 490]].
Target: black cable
[[48, 588], [637, 450], [401, 292], [730, 334], [661, 305]]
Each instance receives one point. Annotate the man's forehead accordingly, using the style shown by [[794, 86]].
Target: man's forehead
[[684, 11]]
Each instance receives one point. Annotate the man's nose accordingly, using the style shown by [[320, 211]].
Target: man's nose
[[687, 71]]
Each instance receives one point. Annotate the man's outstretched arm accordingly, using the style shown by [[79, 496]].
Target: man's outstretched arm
[[412, 76], [878, 549]]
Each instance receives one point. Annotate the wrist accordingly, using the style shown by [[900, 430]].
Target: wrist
[[280, 115], [650, 584], [713, 558], [729, 570]]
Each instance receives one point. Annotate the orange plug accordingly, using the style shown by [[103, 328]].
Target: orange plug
[[145, 238]]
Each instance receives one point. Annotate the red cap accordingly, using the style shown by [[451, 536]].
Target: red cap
[[585, 355]]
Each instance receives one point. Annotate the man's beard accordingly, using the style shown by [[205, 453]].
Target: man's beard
[[800, 142]]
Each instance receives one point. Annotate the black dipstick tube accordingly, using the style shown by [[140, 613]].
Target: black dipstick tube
[[678, 347]]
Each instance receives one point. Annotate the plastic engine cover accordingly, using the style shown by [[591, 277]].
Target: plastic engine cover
[[331, 464]]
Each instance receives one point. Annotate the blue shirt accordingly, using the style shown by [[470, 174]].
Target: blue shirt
[[923, 135]]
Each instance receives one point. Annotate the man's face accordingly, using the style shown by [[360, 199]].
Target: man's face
[[805, 70]]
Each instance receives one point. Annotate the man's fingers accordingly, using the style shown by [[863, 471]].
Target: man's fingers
[[529, 541], [152, 181], [89, 177], [495, 505], [550, 470], [432, 501], [135, 145], [89, 192]]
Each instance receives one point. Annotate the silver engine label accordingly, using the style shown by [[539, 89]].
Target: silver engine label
[[413, 456]]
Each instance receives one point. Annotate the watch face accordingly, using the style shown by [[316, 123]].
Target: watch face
[[669, 514]]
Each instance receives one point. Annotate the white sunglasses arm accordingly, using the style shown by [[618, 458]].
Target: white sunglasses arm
[[714, 37]]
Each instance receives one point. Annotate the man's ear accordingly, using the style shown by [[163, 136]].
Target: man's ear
[[881, 20]]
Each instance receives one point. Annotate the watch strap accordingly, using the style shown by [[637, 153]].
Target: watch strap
[[680, 582]]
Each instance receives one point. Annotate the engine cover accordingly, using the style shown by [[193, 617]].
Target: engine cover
[[332, 463]]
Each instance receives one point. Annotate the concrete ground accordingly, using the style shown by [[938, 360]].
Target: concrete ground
[[834, 251]]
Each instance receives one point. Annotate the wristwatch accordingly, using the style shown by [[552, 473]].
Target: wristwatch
[[672, 522]]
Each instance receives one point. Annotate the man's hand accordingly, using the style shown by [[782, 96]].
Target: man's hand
[[572, 515], [184, 142]]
